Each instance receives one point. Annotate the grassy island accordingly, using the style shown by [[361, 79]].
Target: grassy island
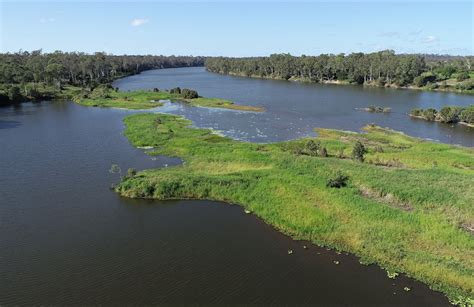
[[104, 96], [406, 204]]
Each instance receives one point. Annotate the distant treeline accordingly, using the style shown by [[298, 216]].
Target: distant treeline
[[382, 68], [26, 74]]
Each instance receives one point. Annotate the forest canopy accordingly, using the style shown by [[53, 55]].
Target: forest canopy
[[379, 68]]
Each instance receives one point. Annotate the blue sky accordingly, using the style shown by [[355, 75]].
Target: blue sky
[[238, 28]]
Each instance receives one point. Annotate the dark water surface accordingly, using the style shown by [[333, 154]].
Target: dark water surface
[[65, 238], [293, 109]]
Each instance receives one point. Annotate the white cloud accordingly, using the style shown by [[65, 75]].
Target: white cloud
[[46, 20], [138, 22], [430, 39]]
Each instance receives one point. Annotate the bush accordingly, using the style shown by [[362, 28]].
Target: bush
[[14, 94], [424, 79], [431, 86], [449, 114], [189, 94], [131, 172], [430, 114], [380, 82], [176, 90], [466, 85], [337, 182], [358, 152], [312, 147], [323, 152], [416, 112], [467, 115], [463, 75], [102, 91]]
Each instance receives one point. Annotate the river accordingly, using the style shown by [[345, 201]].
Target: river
[[293, 109], [66, 238]]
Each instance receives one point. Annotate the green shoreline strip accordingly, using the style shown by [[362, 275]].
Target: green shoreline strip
[[408, 207]]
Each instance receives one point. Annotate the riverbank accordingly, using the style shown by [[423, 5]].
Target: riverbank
[[449, 87], [412, 216]]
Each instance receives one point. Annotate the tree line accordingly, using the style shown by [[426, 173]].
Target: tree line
[[24, 73], [379, 68]]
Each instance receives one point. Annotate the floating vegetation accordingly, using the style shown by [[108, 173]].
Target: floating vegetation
[[392, 275]]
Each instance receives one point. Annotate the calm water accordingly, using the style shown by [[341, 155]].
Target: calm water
[[65, 238], [294, 109]]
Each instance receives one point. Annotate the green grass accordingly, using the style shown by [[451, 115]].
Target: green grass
[[148, 99], [410, 218]]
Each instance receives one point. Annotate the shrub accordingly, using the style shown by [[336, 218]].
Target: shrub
[[14, 94], [176, 90], [358, 152], [380, 82], [416, 112], [449, 114], [102, 91], [467, 115], [189, 94], [337, 182], [312, 147], [424, 79], [131, 172], [323, 152], [466, 85], [463, 75], [431, 86], [430, 114]]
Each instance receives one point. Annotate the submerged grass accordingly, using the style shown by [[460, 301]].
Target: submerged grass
[[149, 99], [290, 192]]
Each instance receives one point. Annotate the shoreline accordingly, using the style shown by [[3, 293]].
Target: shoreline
[[439, 121], [344, 82]]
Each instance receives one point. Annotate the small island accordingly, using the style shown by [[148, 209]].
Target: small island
[[447, 115], [106, 96], [375, 109]]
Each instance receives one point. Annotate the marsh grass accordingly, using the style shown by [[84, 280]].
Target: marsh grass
[[150, 99], [289, 191]]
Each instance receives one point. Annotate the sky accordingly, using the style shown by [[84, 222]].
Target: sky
[[238, 28]]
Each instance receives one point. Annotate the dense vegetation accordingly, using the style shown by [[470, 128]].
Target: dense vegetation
[[383, 68], [389, 198], [447, 114], [37, 75], [106, 96]]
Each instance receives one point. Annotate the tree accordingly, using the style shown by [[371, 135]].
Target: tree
[[467, 115], [359, 151], [449, 114], [189, 94], [430, 114], [464, 75]]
